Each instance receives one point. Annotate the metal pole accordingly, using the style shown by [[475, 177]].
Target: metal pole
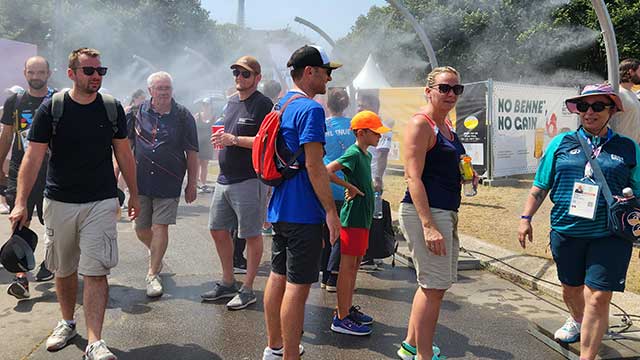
[[609, 42], [316, 29], [419, 30]]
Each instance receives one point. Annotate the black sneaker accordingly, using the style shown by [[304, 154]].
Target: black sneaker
[[43, 273], [368, 265], [240, 267], [330, 285], [19, 288]]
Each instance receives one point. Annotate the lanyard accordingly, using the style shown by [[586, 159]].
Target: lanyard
[[596, 150]]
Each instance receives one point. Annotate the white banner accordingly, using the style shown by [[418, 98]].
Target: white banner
[[522, 116]]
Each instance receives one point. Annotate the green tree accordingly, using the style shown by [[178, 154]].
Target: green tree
[[508, 40]]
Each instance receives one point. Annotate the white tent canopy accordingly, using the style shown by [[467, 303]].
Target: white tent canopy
[[370, 77]]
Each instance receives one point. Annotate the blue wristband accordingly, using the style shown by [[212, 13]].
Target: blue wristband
[[527, 217]]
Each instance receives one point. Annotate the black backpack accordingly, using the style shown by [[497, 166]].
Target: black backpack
[[382, 239], [57, 108]]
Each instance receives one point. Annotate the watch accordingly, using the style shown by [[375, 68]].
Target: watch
[[234, 142]]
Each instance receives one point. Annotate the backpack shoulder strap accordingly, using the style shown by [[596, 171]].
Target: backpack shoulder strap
[[57, 108], [112, 110], [293, 97]]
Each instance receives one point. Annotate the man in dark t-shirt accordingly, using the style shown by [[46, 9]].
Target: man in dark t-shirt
[[239, 198], [19, 110], [80, 195]]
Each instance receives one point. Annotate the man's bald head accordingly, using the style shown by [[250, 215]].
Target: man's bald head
[[36, 72], [36, 60]]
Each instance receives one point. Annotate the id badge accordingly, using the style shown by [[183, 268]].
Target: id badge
[[24, 139], [584, 200]]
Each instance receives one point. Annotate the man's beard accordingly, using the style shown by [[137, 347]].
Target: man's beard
[[635, 79], [37, 84]]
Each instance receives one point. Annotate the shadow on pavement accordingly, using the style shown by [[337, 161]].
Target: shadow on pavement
[[162, 351], [47, 296]]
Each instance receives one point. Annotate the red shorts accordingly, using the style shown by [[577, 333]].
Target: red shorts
[[354, 241]]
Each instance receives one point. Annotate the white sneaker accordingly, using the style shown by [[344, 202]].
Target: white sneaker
[[4, 209], [61, 335], [154, 286], [98, 351], [270, 354], [569, 332]]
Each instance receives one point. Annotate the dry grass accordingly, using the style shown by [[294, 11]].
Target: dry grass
[[493, 216]]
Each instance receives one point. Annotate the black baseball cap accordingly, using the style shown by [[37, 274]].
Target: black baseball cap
[[16, 255], [311, 55]]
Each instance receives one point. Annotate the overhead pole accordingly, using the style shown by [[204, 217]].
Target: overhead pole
[[419, 30], [317, 29], [606, 26]]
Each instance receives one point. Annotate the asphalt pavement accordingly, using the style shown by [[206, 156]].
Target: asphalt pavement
[[483, 316]]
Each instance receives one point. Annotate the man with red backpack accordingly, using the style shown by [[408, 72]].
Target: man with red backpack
[[299, 206]]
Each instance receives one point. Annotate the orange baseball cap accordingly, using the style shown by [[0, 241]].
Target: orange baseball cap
[[368, 120]]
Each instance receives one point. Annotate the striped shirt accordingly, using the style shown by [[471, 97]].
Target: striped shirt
[[564, 163]]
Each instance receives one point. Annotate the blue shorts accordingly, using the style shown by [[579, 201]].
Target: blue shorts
[[599, 263]]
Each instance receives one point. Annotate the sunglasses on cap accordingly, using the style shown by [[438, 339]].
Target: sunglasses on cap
[[89, 70], [445, 88], [597, 106], [245, 73]]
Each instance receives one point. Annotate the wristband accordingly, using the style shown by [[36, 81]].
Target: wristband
[[526, 217]]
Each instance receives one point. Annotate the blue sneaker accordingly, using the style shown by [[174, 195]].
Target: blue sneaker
[[358, 316], [349, 327]]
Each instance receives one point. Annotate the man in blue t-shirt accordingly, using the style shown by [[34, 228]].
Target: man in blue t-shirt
[[299, 206]]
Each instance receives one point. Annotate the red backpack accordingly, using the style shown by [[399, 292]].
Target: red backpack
[[272, 160]]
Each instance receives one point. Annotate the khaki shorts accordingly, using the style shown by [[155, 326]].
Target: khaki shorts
[[159, 211], [433, 272], [80, 237]]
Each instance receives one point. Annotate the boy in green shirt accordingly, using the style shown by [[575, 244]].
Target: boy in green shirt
[[355, 217]]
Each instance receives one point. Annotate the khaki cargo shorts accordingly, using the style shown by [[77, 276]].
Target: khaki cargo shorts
[[156, 211], [80, 237], [433, 272]]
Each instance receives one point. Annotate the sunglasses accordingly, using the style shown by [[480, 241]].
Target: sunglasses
[[245, 73], [445, 88], [89, 70], [597, 106]]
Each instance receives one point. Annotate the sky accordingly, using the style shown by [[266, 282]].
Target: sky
[[335, 17]]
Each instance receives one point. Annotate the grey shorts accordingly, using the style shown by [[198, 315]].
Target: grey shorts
[[159, 211], [433, 272], [240, 206], [80, 237]]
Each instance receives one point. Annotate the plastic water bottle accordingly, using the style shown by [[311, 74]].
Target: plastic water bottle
[[377, 206], [466, 170]]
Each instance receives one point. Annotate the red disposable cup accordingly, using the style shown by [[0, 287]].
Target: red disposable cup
[[216, 129]]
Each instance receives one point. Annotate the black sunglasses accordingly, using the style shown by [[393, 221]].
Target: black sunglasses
[[597, 106], [445, 88], [245, 73], [329, 70], [89, 70]]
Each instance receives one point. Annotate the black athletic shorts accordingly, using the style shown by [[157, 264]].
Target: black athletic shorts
[[296, 250]]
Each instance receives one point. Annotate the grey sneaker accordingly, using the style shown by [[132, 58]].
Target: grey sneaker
[[154, 286], [220, 292], [243, 299], [61, 336], [99, 351]]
